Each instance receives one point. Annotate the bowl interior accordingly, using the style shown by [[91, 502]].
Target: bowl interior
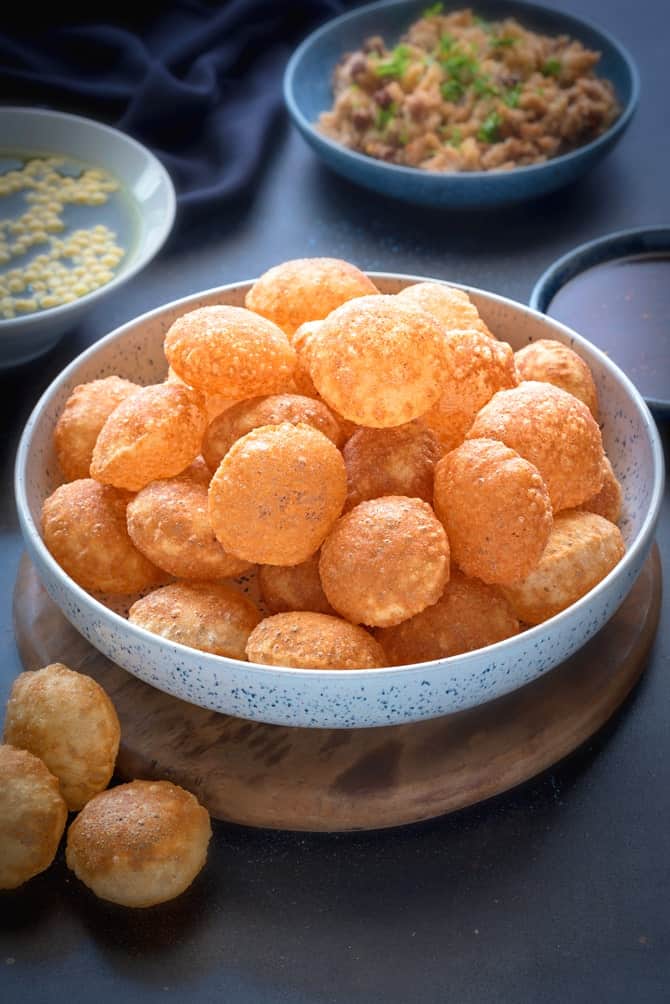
[[313, 64]]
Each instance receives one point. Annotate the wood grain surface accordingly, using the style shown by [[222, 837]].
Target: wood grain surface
[[336, 779]]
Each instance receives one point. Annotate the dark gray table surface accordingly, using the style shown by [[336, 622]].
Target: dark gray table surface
[[558, 891]]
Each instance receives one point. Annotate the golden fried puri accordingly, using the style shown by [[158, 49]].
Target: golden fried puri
[[495, 508], [214, 403], [552, 362], [139, 844], [397, 461], [209, 616], [33, 814], [84, 528], [583, 547], [293, 587], [554, 431], [169, 523], [300, 341], [86, 411], [237, 421], [306, 289], [277, 493], [305, 640], [156, 433], [476, 367], [229, 351], [385, 561], [452, 307], [468, 615], [378, 361], [608, 501], [67, 720]]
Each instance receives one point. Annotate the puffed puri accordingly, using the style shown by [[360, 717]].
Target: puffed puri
[[67, 720], [277, 493], [307, 640], [384, 561], [33, 814], [377, 361], [229, 350], [139, 844]]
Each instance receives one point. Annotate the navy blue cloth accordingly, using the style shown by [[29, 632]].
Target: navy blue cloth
[[199, 84]]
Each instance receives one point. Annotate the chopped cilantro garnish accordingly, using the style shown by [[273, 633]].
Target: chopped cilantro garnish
[[483, 86], [552, 68], [503, 41], [456, 137], [403, 137], [452, 90], [395, 65], [460, 67], [384, 115], [433, 10], [511, 96], [446, 43], [488, 131], [482, 23]]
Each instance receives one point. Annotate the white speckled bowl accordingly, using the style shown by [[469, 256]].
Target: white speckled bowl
[[355, 698], [148, 189]]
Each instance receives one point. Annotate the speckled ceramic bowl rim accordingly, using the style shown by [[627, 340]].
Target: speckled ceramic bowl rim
[[461, 177], [618, 244], [31, 531], [14, 324]]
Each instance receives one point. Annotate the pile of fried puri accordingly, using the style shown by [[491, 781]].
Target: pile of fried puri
[[136, 844], [408, 487]]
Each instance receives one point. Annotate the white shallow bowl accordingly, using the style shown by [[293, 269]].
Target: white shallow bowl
[[353, 698], [147, 186]]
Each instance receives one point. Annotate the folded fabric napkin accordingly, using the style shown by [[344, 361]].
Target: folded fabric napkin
[[198, 83]]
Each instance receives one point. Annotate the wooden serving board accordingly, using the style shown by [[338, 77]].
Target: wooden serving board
[[336, 779]]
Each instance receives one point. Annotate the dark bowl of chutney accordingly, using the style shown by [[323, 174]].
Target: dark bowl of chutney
[[615, 291]]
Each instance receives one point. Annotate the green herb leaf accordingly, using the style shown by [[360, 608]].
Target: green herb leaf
[[552, 68], [434, 10], [456, 137], [403, 137], [483, 87], [503, 41], [511, 96], [482, 23], [396, 65], [461, 67], [446, 43], [488, 132], [452, 90], [384, 115]]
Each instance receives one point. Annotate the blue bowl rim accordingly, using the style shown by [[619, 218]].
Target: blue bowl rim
[[584, 256], [28, 320], [459, 177]]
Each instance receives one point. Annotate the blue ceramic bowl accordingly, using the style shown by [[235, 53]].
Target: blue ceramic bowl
[[621, 244], [307, 92]]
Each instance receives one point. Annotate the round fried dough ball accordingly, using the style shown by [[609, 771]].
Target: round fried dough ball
[[468, 615], [33, 814], [300, 341], [583, 547], [552, 362], [306, 640], [67, 720], [378, 361], [385, 561], [495, 508], [229, 351], [256, 411], [476, 368], [139, 844], [84, 528], [86, 411], [293, 587], [208, 616], [608, 501], [306, 289], [156, 433], [277, 493], [396, 461], [169, 523], [452, 307], [554, 431]]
